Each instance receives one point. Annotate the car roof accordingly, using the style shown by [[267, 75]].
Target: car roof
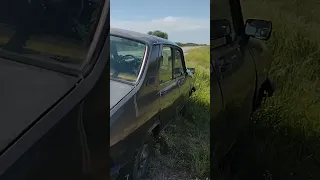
[[149, 39]]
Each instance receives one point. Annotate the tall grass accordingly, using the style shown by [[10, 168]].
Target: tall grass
[[291, 119], [295, 68]]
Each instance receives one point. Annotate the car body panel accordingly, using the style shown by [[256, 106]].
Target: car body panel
[[262, 56], [27, 92], [117, 91], [148, 106], [241, 64]]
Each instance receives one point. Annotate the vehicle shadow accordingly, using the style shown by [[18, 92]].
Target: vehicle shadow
[[272, 153]]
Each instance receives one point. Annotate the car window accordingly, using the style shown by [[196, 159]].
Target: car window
[[220, 9], [165, 70], [126, 57], [178, 69], [57, 31]]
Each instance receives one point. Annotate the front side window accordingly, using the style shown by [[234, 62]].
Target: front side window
[[165, 71], [126, 57], [54, 32]]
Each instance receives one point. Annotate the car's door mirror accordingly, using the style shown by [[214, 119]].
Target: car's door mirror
[[259, 29], [220, 28], [191, 70]]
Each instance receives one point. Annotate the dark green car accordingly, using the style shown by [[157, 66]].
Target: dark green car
[[240, 62]]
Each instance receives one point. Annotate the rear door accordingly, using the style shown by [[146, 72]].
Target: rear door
[[235, 70], [168, 86], [180, 74]]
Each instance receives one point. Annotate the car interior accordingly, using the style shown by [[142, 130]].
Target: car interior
[[125, 59]]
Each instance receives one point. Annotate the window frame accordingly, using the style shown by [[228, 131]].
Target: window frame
[[173, 47], [161, 57], [236, 22], [143, 63], [101, 35], [183, 64]]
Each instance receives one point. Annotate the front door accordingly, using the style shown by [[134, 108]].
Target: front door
[[168, 86], [236, 72]]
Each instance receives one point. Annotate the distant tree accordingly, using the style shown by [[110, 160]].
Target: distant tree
[[159, 34], [179, 43]]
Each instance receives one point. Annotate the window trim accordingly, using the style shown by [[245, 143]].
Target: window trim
[[183, 63], [143, 63], [173, 47], [237, 24], [98, 40], [236, 13]]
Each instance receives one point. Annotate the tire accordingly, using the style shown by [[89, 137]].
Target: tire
[[142, 159]]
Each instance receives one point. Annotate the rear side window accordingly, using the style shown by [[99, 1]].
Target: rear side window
[[178, 67], [165, 71], [57, 31]]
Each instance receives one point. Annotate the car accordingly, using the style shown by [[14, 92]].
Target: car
[[54, 90], [240, 62], [149, 86]]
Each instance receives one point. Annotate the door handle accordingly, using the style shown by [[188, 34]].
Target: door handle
[[179, 81], [224, 64], [162, 92]]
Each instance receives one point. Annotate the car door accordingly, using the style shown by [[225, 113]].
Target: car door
[[168, 86], [235, 69], [180, 74]]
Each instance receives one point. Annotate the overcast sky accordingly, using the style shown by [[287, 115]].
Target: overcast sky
[[183, 20]]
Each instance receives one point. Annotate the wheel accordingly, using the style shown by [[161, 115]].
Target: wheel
[[142, 159]]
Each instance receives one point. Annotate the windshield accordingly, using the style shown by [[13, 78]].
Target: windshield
[[126, 58], [50, 31]]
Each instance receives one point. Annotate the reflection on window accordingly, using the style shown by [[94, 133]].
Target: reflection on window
[[48, 30], [126, 58], [165, 72], [178, 70]]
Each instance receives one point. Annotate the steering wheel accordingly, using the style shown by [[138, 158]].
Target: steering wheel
[[128, 56], [133, 64]]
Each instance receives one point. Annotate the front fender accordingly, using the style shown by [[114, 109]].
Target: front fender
[[262, 58]]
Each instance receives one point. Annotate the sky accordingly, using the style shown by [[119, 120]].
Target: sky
[[183, 20]]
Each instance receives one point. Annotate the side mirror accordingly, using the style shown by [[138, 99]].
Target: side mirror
[[191, 70], [259, 29], [219, 28]]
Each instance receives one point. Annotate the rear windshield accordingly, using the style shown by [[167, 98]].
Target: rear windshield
[[126, 57], [52, 31]]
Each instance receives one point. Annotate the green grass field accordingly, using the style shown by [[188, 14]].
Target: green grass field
[[188, 137], [287, 127]]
